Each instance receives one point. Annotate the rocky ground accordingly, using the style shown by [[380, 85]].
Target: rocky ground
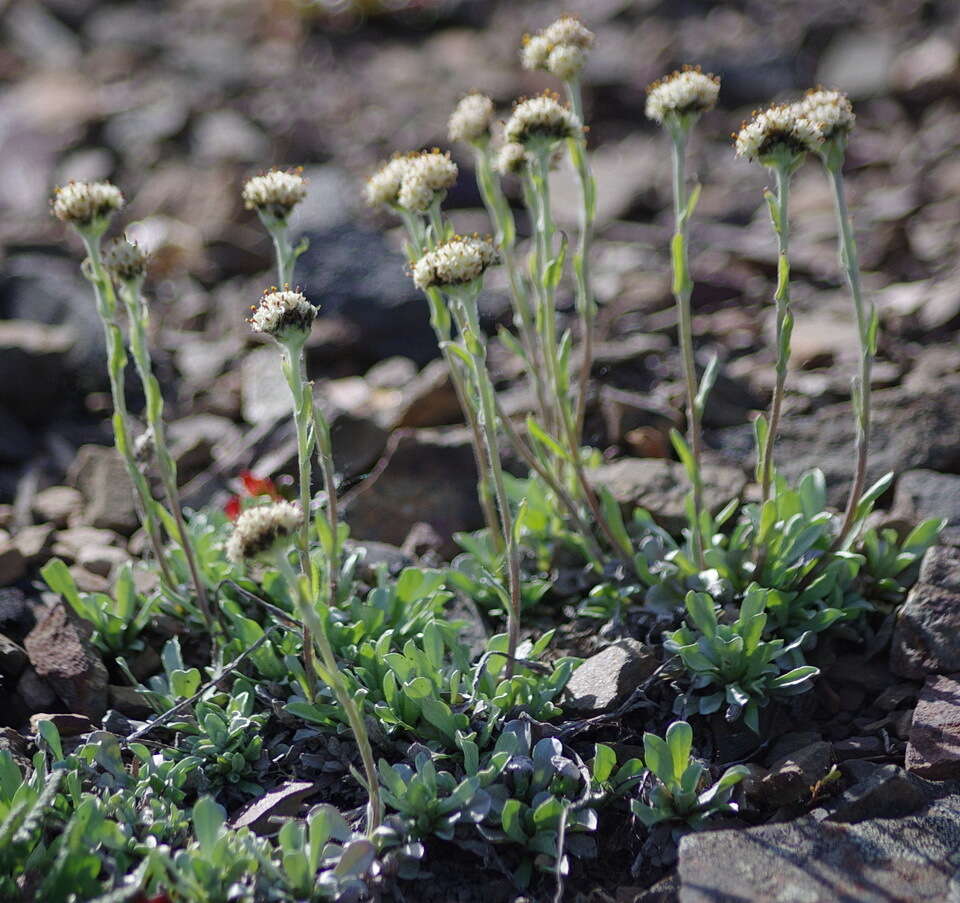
[[178, 103]]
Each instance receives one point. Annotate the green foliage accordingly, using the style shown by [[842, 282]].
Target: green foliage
[[680, 791], [731, 664]]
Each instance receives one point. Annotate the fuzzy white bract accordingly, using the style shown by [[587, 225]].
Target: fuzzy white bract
[[285, 315], [541, 118], [511, 158], [384, 185], [778, 129], [125, 260], [561, 48], [276, 192], [260, 531], [830, 110], [470, 119], [455, 262], [426, 175], [84, 203], [686, 91]]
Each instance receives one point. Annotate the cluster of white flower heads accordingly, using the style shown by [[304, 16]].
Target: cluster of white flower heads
[[82, 203], [276, 192], [125, 260], [686, 91], [455, 262], [542, 117], [258, 531], [561, 48], [283, 314], [470, 119], [830, 110], [412, 180], [511, 158], [783, 128]]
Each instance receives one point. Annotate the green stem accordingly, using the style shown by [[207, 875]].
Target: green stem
[[682, 290], [138, 318], [116, 364], [312, 622], [849, 261], [586, 305], [784, 324], [321, 429], [292, 365], [465, 306]]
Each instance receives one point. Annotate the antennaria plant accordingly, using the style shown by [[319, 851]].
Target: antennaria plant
[[677, 102], [779, 138]]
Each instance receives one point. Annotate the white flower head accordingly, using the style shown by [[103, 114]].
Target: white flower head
[[560, 48], [535, 52], [87, 205], [263, 530], [569, 30], [778, 132], [125, 260], [458, 261], [275, 193], [425, 175], [285, 315], [688, 91], [470, 120], [383, 186], [541, 119], [565, 61], [511, 158], [830, 110]]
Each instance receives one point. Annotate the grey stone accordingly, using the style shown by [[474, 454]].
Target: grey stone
[[910, 430], [933, 750], [926, 639], [36, 693], [923, 494], [102, 560], [262, 815], [661, 486], [887, 791], [33, 542], [873, 861], [12, 563], [34, 370], [430, 399], [428, 476], [60, 651], [195, 440], [68, 725], [13, 658], [101, 476], [606, 677], [57, 504]]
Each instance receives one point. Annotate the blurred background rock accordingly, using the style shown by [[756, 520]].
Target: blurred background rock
[[179, 102]]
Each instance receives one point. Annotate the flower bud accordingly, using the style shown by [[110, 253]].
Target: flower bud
[[560, 49], [779, 135], [262, 530], [458, 261], [125, 261], [275, 193], [511, 158], [541, 120], [686, 92], [470, 120], [287, 316], [87, 205]]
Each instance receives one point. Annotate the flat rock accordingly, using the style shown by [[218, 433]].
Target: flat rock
[[886, 792], [873, 861], [284, 802], [34, 367], [69, 543], [99, 473], [430, 399], [933, 750], [67, 724], [429, 477], [792, 777], [13, 658], [923, 494], [606, 677], [60, 652], [926, 639], [33, 542], [661, 486]]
